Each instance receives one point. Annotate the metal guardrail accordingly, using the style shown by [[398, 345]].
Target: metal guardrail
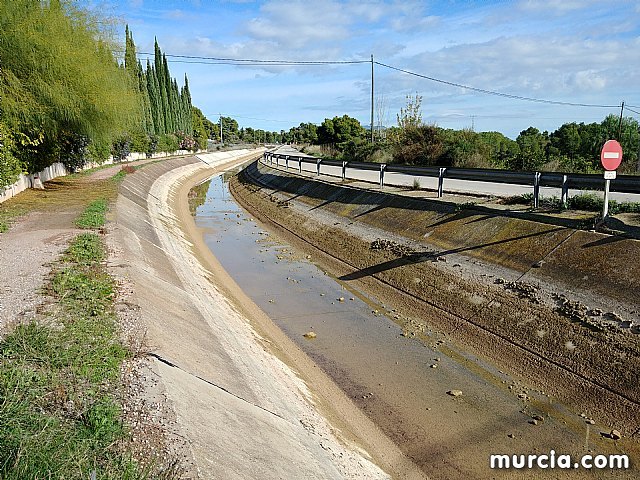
[[622, 183]]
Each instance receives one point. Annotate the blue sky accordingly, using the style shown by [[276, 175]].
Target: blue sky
[[578, 51]]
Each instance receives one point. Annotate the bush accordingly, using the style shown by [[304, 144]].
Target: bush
[[121, 148], [98, 152], [186, 142], [10, 166], [139, 141], [153, 145], [74, 151], [168, 142]]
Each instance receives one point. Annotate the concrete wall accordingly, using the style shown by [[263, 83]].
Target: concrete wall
[[59, 170]]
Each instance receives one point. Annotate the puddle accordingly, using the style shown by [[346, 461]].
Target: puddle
[[398, 381]]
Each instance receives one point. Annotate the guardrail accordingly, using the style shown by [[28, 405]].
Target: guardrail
[[564, 181]]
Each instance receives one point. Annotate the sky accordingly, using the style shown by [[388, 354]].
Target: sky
[[573, 51]]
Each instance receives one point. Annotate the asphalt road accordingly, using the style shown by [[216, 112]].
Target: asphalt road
[[450, 185]]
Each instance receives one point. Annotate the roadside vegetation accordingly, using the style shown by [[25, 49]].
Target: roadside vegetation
[[588, 202], [60, 410], [65, 96], [573, 147], [94, 215]]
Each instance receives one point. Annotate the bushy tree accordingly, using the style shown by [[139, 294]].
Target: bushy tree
[[59, 76]]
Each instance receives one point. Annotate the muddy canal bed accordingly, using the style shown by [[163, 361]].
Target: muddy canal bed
[[404, 385]]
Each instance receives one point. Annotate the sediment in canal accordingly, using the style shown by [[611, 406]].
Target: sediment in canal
[[499, 286]]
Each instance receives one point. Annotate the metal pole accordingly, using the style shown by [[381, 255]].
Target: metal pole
[[221, 142], [344, 170], [605, 208], [565, 191], [620, 123], [382, 167], [536, 189], [441, 173], [371, 98], [318, 167]]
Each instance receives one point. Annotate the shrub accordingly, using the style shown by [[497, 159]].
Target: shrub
[[121, 148], [168, 142], [74, 151]]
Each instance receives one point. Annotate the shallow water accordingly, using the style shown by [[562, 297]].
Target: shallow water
[[391, 377]]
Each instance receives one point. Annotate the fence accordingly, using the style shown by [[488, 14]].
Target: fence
[[564, 181]]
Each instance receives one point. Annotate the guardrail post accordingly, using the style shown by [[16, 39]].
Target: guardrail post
[[300, 164], [565, 191], [344, 170], [382, 167], [318, 162], [536, 189], [286, 162], [441, 173]]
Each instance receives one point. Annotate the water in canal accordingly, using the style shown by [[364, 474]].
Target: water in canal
[[398, 381]]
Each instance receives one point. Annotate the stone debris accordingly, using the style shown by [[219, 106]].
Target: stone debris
[[310, 335], [615, 435], [393, 247], [455, 393], [523, 290]]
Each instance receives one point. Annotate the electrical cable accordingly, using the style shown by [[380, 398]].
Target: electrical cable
[[249, 61], [203, 60], [491, 92]]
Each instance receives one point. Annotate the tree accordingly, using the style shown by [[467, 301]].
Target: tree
[[59, 77], [532, 144], [339, 130]]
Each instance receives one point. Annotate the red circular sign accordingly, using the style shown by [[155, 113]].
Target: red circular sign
[[611, 155]]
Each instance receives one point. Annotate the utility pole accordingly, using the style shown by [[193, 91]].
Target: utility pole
[[620, 123], [372, 98], [221, 143]]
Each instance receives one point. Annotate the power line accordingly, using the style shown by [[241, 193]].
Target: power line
[[253, 61], [204, 60], [491, 92], [632, 110]]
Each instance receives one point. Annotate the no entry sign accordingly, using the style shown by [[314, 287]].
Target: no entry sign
[[611, 155]]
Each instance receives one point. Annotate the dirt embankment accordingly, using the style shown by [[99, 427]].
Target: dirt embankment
[[549, 304]]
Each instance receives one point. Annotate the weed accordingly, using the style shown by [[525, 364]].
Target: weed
[[94, 215], [85, 248], [463, 206], [59, 411], [416, 184]]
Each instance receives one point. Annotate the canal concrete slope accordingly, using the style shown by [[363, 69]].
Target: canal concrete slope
[[533, 299], [243, 411]]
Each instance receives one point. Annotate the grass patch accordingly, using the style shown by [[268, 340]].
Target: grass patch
[[8, 215], [588, 202], [94, 215], [60, 416]]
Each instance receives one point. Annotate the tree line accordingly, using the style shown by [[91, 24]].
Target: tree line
[[573, 147], [65, 96]]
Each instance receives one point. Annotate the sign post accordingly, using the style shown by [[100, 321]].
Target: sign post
[[610, 157]]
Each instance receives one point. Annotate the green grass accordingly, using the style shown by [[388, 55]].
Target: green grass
[[60, 416], [94, 215], [589, 202]]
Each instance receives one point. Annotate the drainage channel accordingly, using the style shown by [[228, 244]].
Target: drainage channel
[[399, 382]]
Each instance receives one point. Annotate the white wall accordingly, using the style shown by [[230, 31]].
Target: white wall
[[59, 170]]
